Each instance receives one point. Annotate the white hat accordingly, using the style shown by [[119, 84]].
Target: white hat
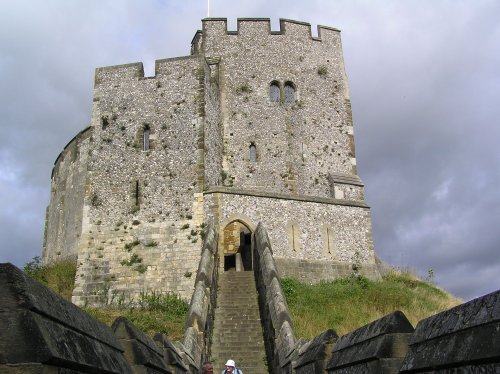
[[230, 363]]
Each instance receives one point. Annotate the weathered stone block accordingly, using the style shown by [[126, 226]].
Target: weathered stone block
[[286, 341], [278, 306], [40, 328], [462, 339], [141, 352], [199, 307], [193, 340], [267, 265], [314, 357], [378, 347], [171, 355]]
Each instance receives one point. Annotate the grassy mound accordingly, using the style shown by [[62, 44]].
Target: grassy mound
[[59, 277], [152, 313], [349, 303], [343, 305]]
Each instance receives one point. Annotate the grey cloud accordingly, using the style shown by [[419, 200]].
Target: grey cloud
[[424, 88]]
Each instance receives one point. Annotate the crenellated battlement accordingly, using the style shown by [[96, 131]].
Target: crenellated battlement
[[131, 71], [256, 30], [218, 27], [135, 71]]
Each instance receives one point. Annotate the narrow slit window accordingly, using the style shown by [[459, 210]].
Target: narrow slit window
[[136, 193], [146, 138], [104, 122], [289, 92], [253, 153], [293, 236], [329, 241], [274, 92]]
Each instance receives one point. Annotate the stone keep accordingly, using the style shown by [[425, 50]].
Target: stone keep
[[253, 126]]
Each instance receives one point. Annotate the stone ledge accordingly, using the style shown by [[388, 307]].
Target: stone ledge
[[270, 195]]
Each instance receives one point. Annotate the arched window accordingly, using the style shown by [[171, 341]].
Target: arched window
[[145, 138], [274, 91], [253, 153], [289, 92]]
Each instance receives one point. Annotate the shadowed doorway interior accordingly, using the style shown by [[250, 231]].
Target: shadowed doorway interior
[[237, 247]]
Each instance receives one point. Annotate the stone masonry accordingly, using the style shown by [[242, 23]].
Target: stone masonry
[[254, 126]]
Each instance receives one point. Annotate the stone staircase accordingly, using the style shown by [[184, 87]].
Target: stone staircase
[[237, 331]]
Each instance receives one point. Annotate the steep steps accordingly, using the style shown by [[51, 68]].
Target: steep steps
[[237, 331]]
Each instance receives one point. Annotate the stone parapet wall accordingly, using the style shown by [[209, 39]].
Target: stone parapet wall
[[312, 357], [464, 339], [43, 333], [460, 340], [378, 347], [277, 325], [139, 349], [200, 320]]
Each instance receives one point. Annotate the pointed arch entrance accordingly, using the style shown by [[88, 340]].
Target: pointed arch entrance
[[236, 246]]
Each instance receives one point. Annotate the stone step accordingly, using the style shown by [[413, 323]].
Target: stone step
[[237, 331]]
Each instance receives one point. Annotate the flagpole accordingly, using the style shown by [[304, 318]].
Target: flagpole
[[208, 9]]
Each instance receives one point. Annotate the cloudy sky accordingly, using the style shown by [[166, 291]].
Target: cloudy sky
[[424, 80]]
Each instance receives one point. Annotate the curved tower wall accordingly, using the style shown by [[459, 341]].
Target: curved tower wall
[[63, 221]]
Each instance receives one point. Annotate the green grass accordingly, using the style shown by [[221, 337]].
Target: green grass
[[59, 277], [349, 303], [153, 312], [343, 305]]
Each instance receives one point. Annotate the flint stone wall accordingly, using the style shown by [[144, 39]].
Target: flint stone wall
[[300, 144], [307, 252], [63, 221], [132, 215]]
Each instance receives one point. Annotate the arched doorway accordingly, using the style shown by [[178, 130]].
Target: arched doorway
[[237, 247]]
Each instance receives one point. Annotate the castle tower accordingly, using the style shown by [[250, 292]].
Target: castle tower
[[254, 126]]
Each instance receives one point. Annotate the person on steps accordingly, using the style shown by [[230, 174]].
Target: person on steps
[[231, 368], [207, 368]]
